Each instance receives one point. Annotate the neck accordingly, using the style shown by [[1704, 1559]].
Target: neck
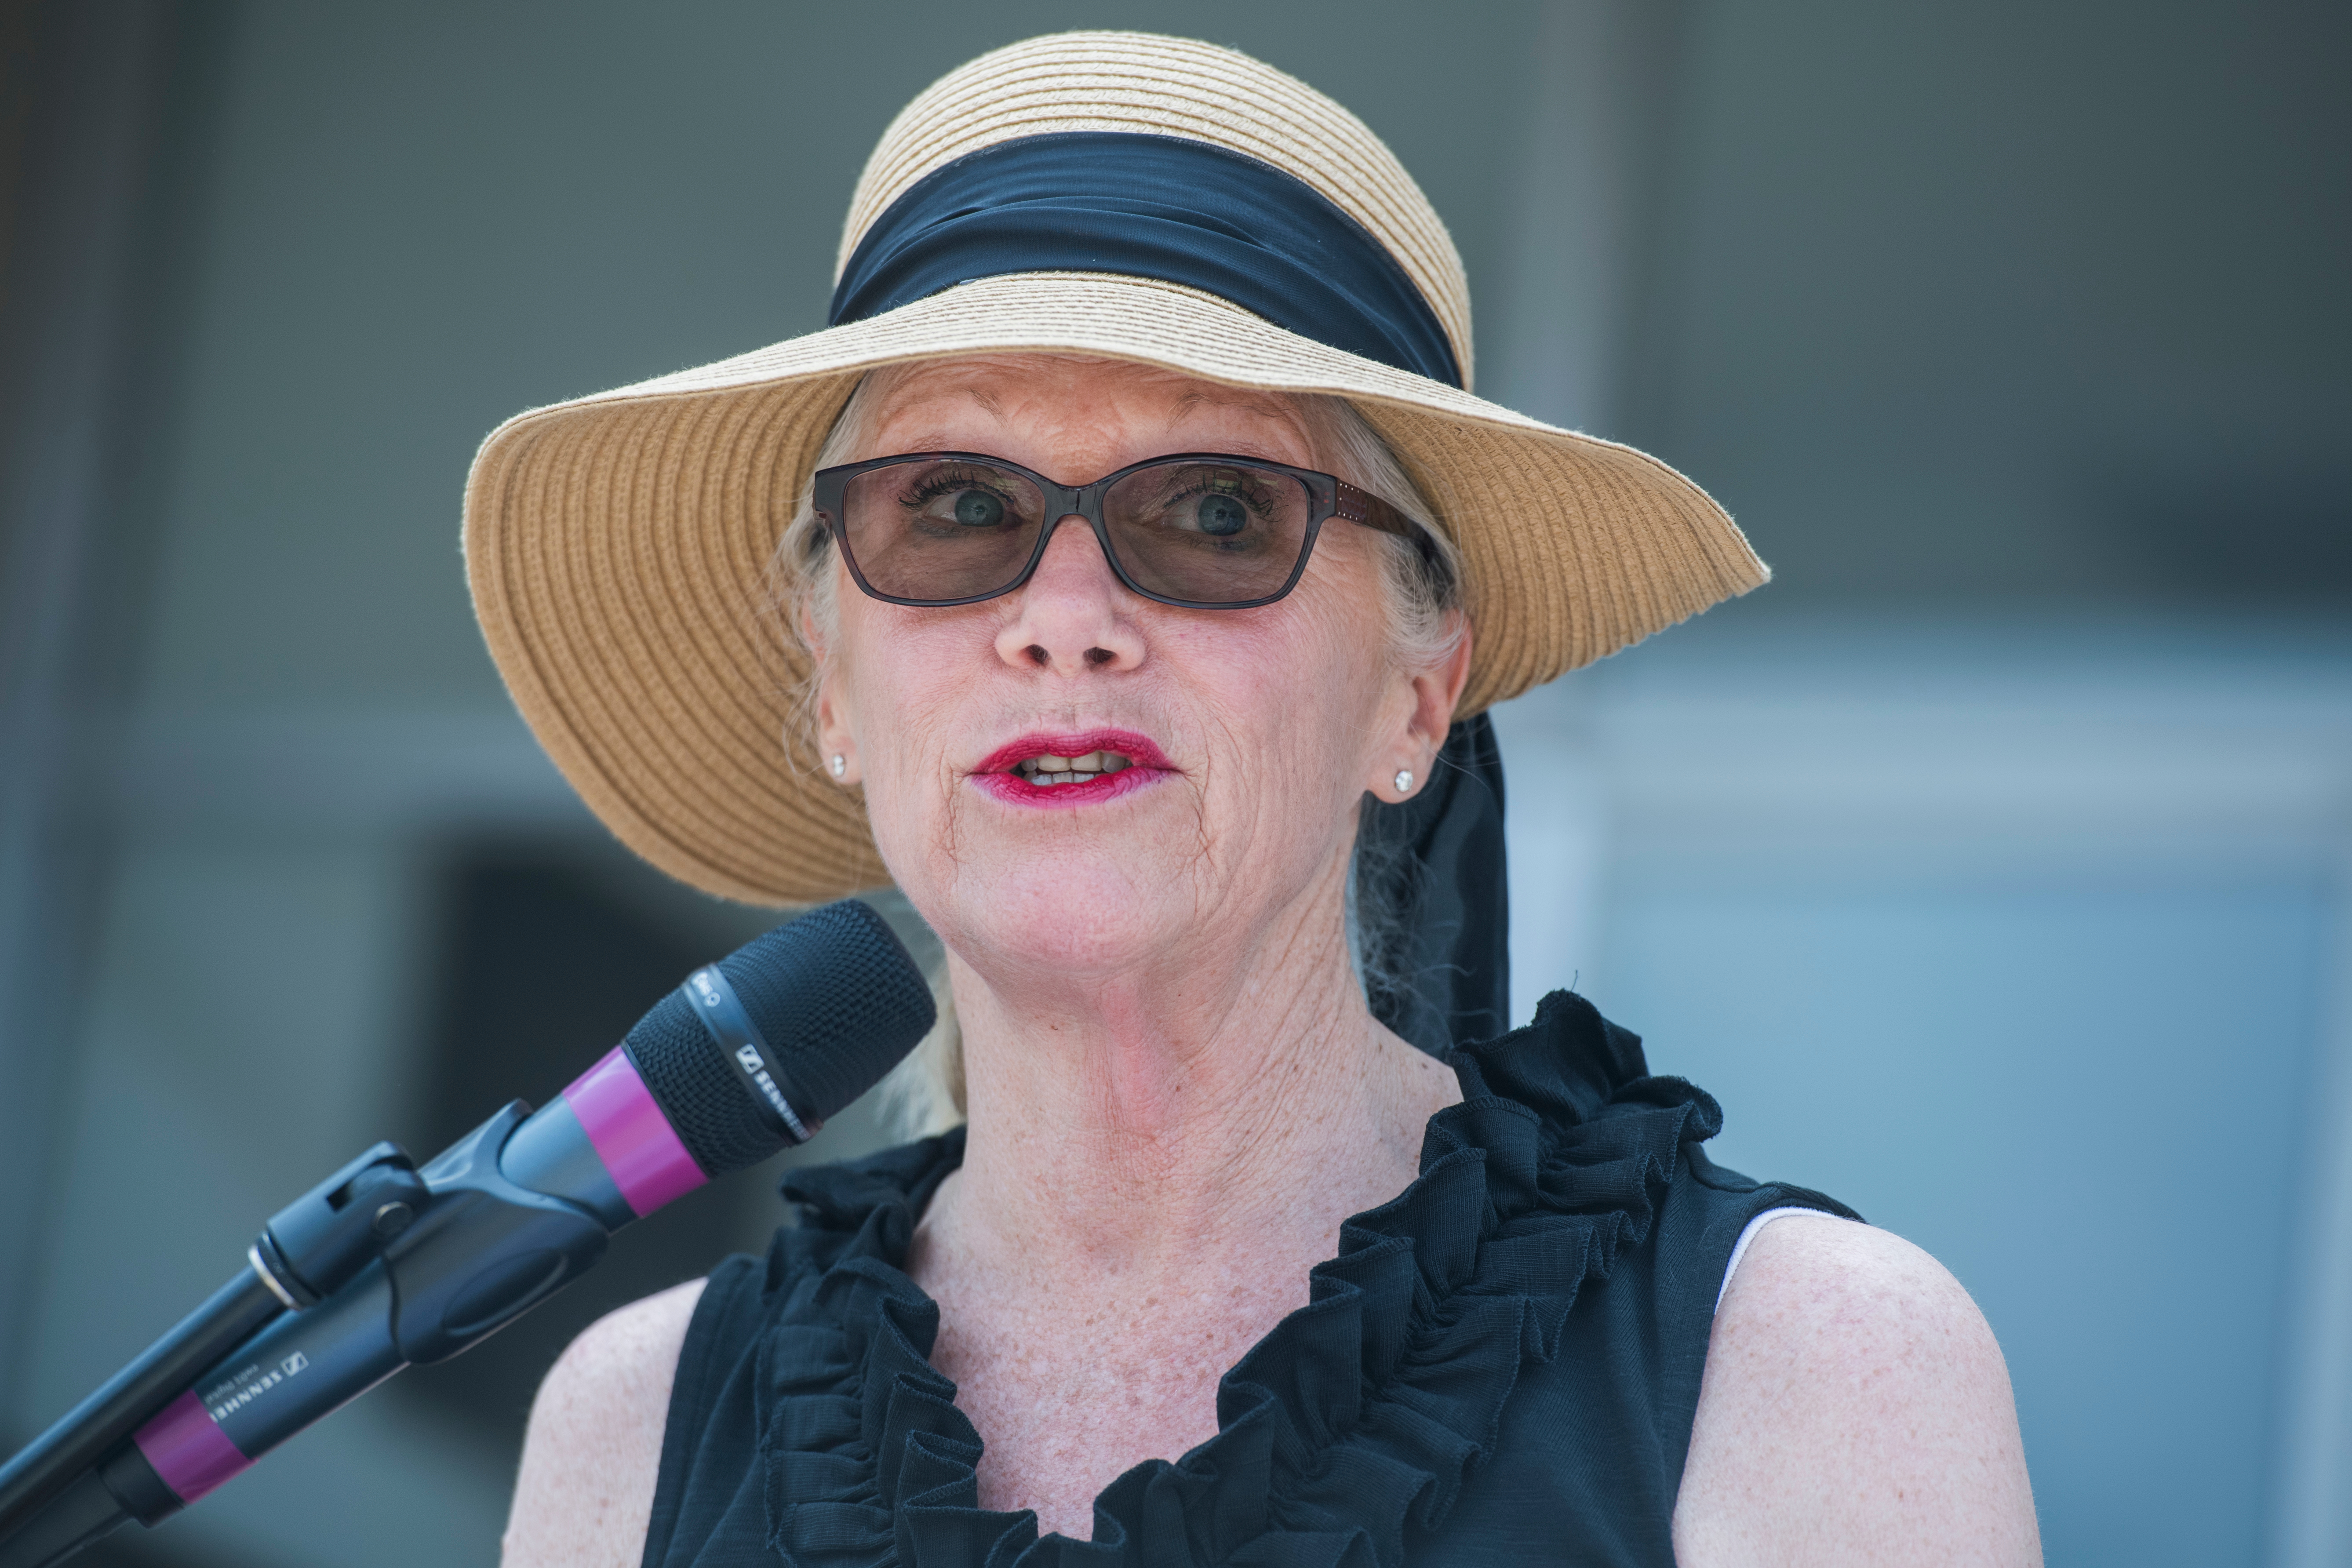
[[1157, 1122]]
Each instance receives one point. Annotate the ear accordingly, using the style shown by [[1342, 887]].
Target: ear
[[1429, 715], [837, 725]]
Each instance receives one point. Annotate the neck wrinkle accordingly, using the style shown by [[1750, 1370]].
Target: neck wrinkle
[[1145, 1126]]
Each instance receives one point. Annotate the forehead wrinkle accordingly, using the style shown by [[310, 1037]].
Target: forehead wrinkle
[[1271, 406], [1039, 390], [918, 428]]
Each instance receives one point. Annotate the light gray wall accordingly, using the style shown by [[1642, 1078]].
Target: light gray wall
[[2011, 304]]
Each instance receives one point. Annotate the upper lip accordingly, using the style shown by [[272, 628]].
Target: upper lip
[[1137, 749]]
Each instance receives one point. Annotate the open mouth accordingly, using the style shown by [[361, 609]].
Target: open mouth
[[1085, 768], [1048, 771]]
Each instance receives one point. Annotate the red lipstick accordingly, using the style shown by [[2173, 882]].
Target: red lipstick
[[999, 775]]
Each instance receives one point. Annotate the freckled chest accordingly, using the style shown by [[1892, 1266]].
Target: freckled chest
[[1071, 1388]]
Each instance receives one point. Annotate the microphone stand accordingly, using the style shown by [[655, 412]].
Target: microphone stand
[[81, 1437], [308, 1251], [384, 1264]]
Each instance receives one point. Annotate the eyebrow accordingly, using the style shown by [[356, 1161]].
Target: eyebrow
[[1265, 407], [933, 440], [986, 399], [1275, 409]]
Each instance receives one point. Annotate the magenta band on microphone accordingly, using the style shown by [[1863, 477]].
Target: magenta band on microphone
[[387, 1263], [631, 1135], [188, 1449]]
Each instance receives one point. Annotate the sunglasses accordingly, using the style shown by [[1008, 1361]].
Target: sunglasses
[[1197, 529]]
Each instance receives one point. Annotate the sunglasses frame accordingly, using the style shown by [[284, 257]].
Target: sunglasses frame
[[1327, 497]]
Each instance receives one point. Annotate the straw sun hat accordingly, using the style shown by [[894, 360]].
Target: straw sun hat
[[1120, 195]]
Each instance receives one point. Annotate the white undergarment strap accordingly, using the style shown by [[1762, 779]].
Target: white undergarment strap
[[1739, 1248]]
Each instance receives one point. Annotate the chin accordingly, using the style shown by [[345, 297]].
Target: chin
[[1094, 911]]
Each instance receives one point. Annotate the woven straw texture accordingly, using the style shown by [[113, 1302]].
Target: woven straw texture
[[619, 545], [1171, 87]]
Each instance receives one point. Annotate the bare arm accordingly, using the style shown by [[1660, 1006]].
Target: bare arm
[[1855, 1410], [586, 1490]]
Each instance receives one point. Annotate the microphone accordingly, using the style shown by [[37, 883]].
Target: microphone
[[384, 1264]]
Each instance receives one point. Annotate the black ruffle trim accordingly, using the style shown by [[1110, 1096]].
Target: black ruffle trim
[[1354, 1421]]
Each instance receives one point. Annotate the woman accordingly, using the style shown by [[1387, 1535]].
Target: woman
[[1132, 528]]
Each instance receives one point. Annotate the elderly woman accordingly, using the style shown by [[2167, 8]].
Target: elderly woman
[[1127, 541]]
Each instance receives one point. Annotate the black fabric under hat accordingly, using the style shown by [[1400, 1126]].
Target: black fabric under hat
[[1149, 206], [1447, 978]]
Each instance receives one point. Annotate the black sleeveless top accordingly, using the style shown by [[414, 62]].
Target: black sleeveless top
[[1501, 1366]]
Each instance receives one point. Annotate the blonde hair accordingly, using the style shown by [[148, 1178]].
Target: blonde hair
[[1420, 595]]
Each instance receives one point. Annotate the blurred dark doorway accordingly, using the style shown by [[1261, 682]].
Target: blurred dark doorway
[[549, 950]]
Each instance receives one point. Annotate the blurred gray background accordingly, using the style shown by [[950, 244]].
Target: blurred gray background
[[1991, 866]]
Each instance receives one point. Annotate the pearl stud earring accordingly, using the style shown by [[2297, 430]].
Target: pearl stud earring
[[1404, 781], [840, 765]]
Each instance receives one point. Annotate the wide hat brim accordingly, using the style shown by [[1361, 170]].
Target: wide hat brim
[[620, 551]]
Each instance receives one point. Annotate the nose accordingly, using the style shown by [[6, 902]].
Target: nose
[[1073, 615]]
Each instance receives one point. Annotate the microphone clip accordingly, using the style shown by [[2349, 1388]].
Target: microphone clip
[[319, 1243]]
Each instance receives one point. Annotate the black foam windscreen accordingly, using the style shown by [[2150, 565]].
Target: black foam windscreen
[[708, 1105], [838, 1001], [837, 998]]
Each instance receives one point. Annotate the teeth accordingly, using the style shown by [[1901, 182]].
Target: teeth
[[1053, 770]]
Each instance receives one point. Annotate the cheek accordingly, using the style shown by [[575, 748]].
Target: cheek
[[898, 675], [1338, 673], [1296, 700]]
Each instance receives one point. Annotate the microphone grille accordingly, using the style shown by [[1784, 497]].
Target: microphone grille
[[836, 998], [705, 1101]]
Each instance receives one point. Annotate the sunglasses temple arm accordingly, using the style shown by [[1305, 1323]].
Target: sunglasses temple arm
[[1368, 511]]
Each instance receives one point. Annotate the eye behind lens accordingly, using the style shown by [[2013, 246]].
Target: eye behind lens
[[1209, 533], [1220, 515], [936, 531]]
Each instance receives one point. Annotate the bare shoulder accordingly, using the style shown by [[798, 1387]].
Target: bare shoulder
[[1855, 1409], [585, 1492]]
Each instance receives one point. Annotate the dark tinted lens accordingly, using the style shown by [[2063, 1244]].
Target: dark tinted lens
[[936, 529], [1209, 533]]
